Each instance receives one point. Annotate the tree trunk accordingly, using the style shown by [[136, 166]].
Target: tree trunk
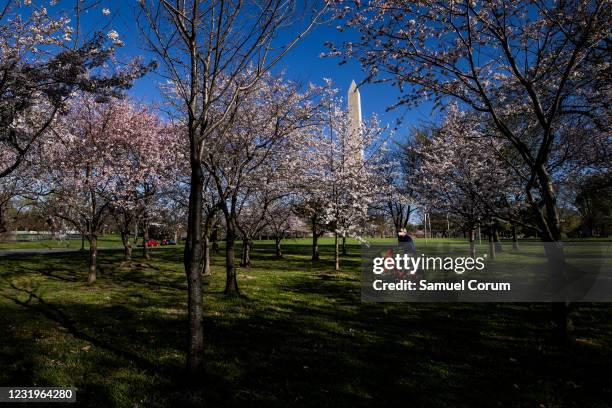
[[3, 222], [496, 240], [491, 242], [472, 236], [315, 240], [336, 252], [551, 232], [93, 259], [193, 263], [277, 242], [246, 253], [215, 240], [515, 245], [136, 232], [231, 284], [127, 246], [343, 244], [206, 256], [146, 253], [82, 242]]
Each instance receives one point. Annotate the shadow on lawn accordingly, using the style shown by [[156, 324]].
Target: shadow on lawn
[[116, 339], [305, 340], [17, 364], [73, 326]]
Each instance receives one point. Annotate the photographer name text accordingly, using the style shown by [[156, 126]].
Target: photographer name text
[[425, 286]]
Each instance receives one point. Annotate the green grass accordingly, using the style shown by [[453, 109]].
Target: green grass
[[299, 336], [114, 241]]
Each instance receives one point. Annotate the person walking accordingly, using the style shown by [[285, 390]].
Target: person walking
[[405, 242]]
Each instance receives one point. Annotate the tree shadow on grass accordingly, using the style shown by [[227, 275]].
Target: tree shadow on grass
[[138, 276], [16, 355], [459, 354], [311, 356], [119, 341], [116, 341], [57, 315]]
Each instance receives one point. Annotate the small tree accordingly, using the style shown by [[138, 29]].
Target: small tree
[[342, 169], [256, 151], [96, 161], [145, 154], [281, 222], [461, 174], [397, 199]]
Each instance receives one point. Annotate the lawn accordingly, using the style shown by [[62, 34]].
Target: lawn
[[298, 336]]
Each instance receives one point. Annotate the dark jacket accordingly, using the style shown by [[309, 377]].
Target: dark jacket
[[407, 243]]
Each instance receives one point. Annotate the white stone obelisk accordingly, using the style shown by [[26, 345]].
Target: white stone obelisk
[[354, 119], [354, 109]]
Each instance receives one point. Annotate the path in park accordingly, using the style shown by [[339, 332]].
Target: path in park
[[37, 251]]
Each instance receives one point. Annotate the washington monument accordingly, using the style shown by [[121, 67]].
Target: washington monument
[[354, 119], [354, 110]]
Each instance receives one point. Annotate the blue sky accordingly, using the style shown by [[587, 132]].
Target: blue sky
[[303, 63]]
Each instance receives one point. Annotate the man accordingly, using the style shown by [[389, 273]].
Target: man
[[405, 245], [405, 242]]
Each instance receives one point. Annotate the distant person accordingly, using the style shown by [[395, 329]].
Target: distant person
[[405, 241], [405, 245]]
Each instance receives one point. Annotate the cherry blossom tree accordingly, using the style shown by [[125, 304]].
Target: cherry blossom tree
[[311, 207], [281, 221], [127, 222], [461, 173], [44, 61], [213, 53], [250, 222], [101, 156], [78, 173], [13, 186], [264, 190], [146, 151], [396, 199], [260, 144], [340, 170]]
